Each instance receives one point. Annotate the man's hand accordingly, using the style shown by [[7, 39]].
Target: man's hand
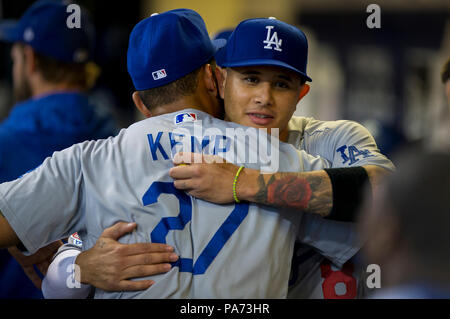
[[208, 177], [109, 264], [41, 259]]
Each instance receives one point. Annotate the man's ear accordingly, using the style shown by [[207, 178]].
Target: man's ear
[[221, 76], [29, 60], [140, 105], [210, 82], [303, 91]]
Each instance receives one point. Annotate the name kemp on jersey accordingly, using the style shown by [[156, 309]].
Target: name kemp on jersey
[[235, 145]]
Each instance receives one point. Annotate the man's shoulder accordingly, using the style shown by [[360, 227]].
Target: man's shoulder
[[309, 125]]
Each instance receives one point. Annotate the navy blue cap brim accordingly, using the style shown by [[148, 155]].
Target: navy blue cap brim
[[257, 62], [9, 31]]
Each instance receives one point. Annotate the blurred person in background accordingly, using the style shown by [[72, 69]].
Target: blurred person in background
[[446, 80], [441, 135], [405, 227], [51, 73]]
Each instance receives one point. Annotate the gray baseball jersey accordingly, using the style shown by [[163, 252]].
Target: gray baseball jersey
[[226, 251], [321, 265]]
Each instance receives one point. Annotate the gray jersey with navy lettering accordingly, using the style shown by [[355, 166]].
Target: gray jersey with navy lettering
[[226, 251], [322, 265]]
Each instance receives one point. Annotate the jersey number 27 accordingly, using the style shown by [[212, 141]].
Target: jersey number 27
[[166, 224]]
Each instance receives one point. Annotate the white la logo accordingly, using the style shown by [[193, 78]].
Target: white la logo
[[272, 40]]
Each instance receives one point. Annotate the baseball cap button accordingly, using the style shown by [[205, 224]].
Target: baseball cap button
[[28, 35]]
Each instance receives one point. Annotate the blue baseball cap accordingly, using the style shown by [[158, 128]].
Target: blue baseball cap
[[264, 41], [165, 47], [44, 26], [223, 34]]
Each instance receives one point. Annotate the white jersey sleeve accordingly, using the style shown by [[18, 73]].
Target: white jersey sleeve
[[343, 144], [322, 266], [54, 189]]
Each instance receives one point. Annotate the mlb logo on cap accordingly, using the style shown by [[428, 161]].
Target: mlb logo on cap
[[185, 117], [160, 74]]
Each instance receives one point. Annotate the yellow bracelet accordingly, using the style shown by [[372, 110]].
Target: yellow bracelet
[[234, 184]]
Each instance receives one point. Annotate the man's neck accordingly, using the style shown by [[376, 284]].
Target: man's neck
[[48, 88], [188, 102], [284, 135]]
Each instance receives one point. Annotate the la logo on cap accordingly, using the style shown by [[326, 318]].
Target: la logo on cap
[[272, 40]]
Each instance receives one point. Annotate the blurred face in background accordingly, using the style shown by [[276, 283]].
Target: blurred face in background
[[261, 96], [21, 85], [377, 225]]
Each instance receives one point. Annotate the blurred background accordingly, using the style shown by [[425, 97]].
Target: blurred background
[[386, 78]]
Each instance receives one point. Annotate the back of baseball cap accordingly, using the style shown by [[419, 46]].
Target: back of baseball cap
[[44, 26], [223, 34], [266, 41], [165, 47]]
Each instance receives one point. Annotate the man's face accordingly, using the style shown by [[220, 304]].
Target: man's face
[[261, 96], [21, 86]]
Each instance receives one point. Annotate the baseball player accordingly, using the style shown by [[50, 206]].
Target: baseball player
[[93, 185], [412, 251], [49, 74], [255, 94]]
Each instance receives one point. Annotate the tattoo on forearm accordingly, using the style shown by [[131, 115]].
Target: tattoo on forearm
[[307, 192], [261, 195]]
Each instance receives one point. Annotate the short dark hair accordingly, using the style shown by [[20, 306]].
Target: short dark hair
[[171, 92], [445, 74], [55, 71]]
